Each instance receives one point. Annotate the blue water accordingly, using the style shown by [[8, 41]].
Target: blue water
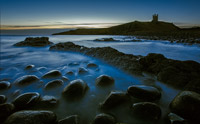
[[15, 59]]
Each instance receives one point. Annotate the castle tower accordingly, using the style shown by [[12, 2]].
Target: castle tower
[[155, 18]]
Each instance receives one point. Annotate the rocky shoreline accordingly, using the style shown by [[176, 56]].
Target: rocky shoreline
[[30, 107]]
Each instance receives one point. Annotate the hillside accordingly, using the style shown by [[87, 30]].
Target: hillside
[[126, 29]]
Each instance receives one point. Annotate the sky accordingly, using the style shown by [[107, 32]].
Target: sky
[[70, 14]]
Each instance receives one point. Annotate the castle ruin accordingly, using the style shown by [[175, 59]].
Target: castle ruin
[[155, 18]]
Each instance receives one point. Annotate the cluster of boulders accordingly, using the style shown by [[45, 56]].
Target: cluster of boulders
[[37, 42]]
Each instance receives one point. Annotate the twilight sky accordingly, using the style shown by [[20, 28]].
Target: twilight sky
[[50, 14]]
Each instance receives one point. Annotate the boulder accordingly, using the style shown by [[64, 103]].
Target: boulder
[[115, 98], [53, 84], [28, 67], [25, 80], [104, 119], [26, 100], [147, 93], [70, 73], [146, 110], [92, 65], [52, 74], [104, 80], [82, 70], [48, 101], [75, 89], [4, 85], [35, 42], [5, 110], [73, 119], [3, 99], [187, 105], [65, 79], [32, 117], [73, 64]]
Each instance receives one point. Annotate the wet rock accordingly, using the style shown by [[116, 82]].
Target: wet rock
[[26, 100], [5, 110], [187, 105], [48, 101], [25, 80], [73, 64], [105, 39], [70, 73], [28, 67], [75, 89], [42, 69], [73, 119], [35, 42], [16, 92], [92, 65], [52, 74], [2, 99], [104, 119], [53, 84], [175, 119], [115, 98], [32, 117], [65, 79], [147, 93], [4, 85], [146, 110], [82, 70], [104, 80]]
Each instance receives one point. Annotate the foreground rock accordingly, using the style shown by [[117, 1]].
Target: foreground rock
[[75, 89], [187, 105], [53, 84], [25, 80], [36, 42], [115, 98], [82, 70], [32, 117], [3, 99], [147, 93], [52, 74], [165, 69], [4, 85], [6, 109], [104, 119], [26, 100], [92, 65], [146, 110], [175, 119], [73, 119], [104, 80], [48, 102], [28, 67]]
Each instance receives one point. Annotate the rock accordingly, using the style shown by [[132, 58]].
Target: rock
[[73, 64], [75, 89], [70, 73], [187, 105], [92, 65], [73, 119], [104, 119], [48, 101], [53, 84], [114, 99], [32, 117], [25, 80], [26, 100], [4, 85], [35, 42], [65, 79], [42, 69], [52, 74], [82, 70], [104, 80], [5, 110], [175, 119], [2, 99], [16, 92], [146, 110], [143, 92], [28, 67], [105, 39]]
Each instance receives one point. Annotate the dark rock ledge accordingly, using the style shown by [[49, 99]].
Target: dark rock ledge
[[180, 74]]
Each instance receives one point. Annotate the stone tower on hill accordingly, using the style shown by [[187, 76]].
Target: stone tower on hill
[[155, 18]]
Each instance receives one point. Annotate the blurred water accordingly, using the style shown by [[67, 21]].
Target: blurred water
[[14, 59]]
